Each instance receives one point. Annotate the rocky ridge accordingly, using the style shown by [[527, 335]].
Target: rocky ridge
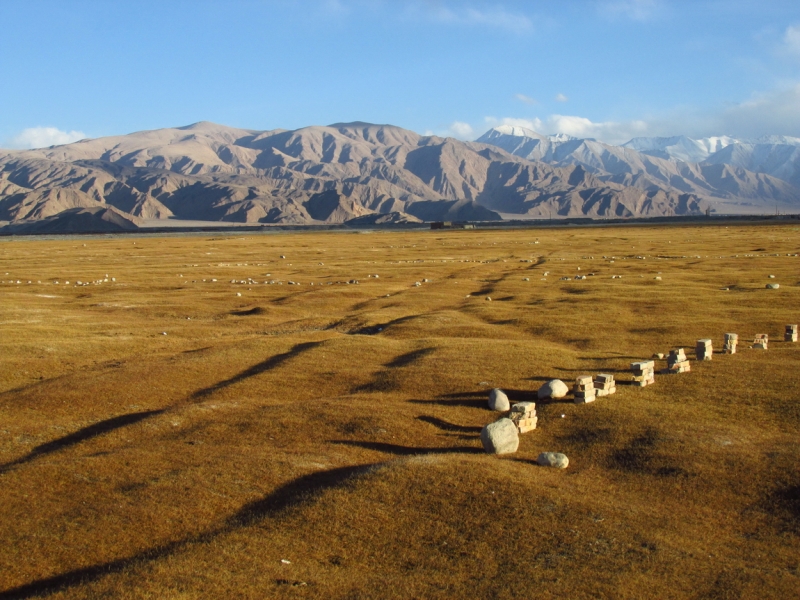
[[364, 172]]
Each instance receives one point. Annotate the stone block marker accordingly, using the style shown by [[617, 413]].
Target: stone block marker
[[761, 341], [731, 339], [677, 362], [643, 373], [703, 349], [791, 333], [523, 415], [555, 388], [604, 385], [500, 437], [498, 400], [584, 390], [553, 459]]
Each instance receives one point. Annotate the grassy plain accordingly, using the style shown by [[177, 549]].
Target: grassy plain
[[322, 441]]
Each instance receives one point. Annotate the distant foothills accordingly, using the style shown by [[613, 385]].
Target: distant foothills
[[373, 174]]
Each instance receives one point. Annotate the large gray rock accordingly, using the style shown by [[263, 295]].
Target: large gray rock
[[500, 437], [555, 388], [498, 400], [553, 459]]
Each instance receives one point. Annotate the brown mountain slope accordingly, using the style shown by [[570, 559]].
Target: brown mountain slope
[[312, 175]]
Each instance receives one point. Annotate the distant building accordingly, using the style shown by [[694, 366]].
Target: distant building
[[451, 225]]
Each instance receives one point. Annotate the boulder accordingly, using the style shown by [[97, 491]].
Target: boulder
[[553, 459], [498, 400], [773, 286], [500, 437], [555, 388]]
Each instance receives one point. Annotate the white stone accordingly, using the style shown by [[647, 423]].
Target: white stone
[[500, 437], [498, 400], [773, 286], [553, 459], [555, 388]]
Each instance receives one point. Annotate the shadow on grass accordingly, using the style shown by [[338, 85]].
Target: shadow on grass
[[539, 378], [784, 503], [447, 426], [373, 329], [399, 450], [86, 433], [613, 357], [409, 358], [477, 399], [258, 310], [466, 402], [294, 493], [256, 369], [640, 456]]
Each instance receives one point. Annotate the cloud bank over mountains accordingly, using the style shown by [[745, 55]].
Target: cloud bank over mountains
[[41, 137]]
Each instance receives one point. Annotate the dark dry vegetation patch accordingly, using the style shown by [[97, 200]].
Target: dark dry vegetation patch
[[323, 441]]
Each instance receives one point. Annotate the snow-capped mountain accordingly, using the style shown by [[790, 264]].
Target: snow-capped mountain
[[775, 155], [778, 139], [781, 160], [680, 147], [733, 176]]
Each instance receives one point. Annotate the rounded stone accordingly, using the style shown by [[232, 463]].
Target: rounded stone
[[555, 388], [498, 400], [500, 437], [773, 286], [553, 459]]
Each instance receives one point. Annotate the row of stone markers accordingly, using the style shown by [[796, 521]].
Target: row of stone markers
[[643, 372], [502, 436]]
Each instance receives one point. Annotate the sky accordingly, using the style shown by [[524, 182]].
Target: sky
[[608, 69]]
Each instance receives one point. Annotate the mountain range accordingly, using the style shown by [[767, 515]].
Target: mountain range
[[367, 173]]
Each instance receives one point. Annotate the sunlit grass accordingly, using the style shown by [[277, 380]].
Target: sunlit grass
[[337, 425]]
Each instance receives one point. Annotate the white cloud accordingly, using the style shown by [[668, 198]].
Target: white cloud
[[791, 40], [41, 137], [775, 112], [460, 130], [525, 99], [495, 17], [532, 124], [636, 10], [609, 131], [561, 98]]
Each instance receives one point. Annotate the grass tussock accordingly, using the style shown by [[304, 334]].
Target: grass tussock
[[322, 441]]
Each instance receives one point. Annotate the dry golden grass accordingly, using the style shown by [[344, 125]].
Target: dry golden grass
[[337, 426]]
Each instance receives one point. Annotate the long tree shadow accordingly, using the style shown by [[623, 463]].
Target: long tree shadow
[[256, 369], [399, 450], [86, 433], [447, 426], [302, 490]]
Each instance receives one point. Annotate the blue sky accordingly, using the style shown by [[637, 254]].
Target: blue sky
[[610, 69]]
